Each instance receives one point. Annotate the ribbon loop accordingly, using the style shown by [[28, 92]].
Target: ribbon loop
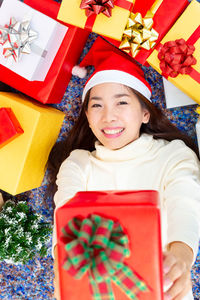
[[176, 58], [97, 6], [99, 245], [16, 38], [138, 34]]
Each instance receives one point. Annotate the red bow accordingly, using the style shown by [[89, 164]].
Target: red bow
[[176, 58], [97, 6]]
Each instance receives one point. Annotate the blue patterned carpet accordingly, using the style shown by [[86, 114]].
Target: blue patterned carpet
[[35, 280]]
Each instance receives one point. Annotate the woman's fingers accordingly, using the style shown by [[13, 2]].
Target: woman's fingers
[[176, 271], [180, 287], [184, 292], [177, 280], [168, 261]]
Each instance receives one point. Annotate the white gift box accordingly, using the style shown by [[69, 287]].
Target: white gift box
[[198, 133], [50, 34], [175, 97]]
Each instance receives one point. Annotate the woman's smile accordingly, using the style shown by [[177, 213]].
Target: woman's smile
[[112, 132]]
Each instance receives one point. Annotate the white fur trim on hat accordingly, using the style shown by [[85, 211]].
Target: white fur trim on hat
[[117, 76], [81, 72]]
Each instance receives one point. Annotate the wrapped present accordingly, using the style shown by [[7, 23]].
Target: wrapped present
[[9, 126], [177, 55], [111, 242], [107, 18], [23, 160], [142, 33], [52, 89], [175, 97], [29, 40]]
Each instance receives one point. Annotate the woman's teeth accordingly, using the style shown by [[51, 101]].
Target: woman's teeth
[[112, 131]]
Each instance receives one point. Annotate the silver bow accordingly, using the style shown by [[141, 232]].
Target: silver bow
[[16, 38]]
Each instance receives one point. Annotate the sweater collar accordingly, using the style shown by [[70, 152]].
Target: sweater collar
[[135, 149]]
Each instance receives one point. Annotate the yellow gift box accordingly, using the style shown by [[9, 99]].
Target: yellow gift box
[[113, 27], [187, 25], [23, 160]]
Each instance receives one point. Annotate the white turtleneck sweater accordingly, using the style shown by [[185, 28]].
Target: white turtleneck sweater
[[171, 168]]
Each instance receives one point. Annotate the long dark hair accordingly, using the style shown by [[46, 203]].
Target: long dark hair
[[81, 136]]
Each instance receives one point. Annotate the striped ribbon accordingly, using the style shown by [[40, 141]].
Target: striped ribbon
[[98, 245]]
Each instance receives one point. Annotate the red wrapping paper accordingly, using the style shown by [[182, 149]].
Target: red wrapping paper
[[164, 18], [52, 89], [142, 7], [9, 126], [138, 213]]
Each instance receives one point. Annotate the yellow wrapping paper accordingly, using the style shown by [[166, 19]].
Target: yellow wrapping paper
[[112, 27], [183, 28], [23, 160]]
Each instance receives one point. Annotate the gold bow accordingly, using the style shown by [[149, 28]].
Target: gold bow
[[138, 34]]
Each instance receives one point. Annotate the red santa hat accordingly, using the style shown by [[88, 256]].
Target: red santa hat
[[111, 65]]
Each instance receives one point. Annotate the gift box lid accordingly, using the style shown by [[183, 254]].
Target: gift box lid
[[139, 215], [23, 160], [39, 38], [99, 198], [52, 89]]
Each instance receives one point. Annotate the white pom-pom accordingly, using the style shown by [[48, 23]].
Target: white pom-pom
[[81, 72]]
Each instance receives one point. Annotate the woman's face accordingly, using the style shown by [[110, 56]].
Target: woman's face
[[115, 115]]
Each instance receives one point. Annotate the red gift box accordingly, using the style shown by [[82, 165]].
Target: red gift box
[[9, 126], [52, 89], [163, 19], [139, 215]]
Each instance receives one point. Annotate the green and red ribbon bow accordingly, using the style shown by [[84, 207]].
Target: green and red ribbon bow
[[176, 57], [98, 245], [97, 6]]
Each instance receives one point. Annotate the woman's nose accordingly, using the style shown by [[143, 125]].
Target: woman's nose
[[109, 115]]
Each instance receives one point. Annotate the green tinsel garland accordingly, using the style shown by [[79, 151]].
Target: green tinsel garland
[[22, 233]]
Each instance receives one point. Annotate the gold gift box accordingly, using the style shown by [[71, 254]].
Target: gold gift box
[[112, 27], [183, 28], [23, 160]]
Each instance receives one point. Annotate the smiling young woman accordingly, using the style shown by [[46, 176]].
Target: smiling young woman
[[115, 115], [122, 141]]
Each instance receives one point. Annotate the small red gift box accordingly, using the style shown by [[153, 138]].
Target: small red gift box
[[164, 14], [138, 214], [52, 89], [9, 126]]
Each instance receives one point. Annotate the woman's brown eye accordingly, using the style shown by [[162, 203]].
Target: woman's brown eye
[[122, 103], [96, 105]]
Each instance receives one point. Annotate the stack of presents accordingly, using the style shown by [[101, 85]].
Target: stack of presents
[[40, 42]]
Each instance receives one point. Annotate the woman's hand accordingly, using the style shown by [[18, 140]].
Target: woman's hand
[[177, 264], [56, 275]]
